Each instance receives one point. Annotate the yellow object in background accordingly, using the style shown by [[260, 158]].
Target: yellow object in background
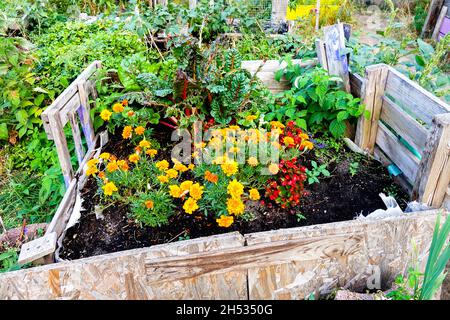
[[328, 13]]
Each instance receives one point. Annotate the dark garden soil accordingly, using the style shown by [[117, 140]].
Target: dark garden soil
[[338, 198]]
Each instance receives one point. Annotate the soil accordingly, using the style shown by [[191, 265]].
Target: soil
[[337, 198]]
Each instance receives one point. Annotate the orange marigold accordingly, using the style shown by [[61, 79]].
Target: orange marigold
[[127, 132]]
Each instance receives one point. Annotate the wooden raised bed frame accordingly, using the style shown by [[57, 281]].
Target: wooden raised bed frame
[[279, 264]]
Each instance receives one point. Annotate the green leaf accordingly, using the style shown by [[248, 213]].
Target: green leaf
[[279, 75], [420, 61], [337, 128], [342, 115], [21, 116], [4, 131]]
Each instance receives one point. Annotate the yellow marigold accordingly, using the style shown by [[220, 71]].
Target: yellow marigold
[[252, 161], [149, 204], [220, 160], [307, 144], [139, 130], [102, 175], [105, 155], [175, 191], [123, 165], [234, 127], [92, 170], [196, 191], [251, 117], [112, 166], [118, 108], [186, 185], [180, 167], [235, 189], [273, 168], [304, 136], [288, 141], [130, 113], [134, 158], [191, 166], [151, 152], [172, 173], [235, 206], [92, 163], [163, 179], [254, 194], [162, 165], [144, 144], [225, 221], [105, 114], [277, 124], [190, 205], [127, 132], [230, 168], [109, 188]]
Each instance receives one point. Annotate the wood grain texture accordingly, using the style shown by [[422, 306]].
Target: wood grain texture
[[433, 176], [337, 63], [279, 264], [403, 124], [397, 152]]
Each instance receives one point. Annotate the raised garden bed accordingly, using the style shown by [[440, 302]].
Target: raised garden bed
[[286, 263]]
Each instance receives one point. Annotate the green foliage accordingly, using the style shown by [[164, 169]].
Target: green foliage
[[315, 100], [8, 260], [316, 171], [420, 14], [353, 168], [162, 209]]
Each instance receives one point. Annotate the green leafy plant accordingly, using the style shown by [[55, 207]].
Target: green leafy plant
[[353, 168], [316, 100], [316, 171]]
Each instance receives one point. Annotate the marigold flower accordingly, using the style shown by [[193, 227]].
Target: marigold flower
[[235, 189], [127, 132], [172, 173], [109, 188], [139, 130], [92, 170], [200, 145], [186, 185], [307, 144], [175, 191], [105, 155], [163, 179], [251, 117], [112, 166], [149, 204], [190, 205], [225, 221], [254, 194], [138, 150], [220, 160], [92, 163], [105, 114], [235, 127], [125, 102], [235, 206], [273, 168], [288, 141], [102, 175], [112, 158], [304, 136], [230, 168], [130, 113], [151, 152], [180, 167], [252, 161], [191, 166], [134, 158], [144, 144], [277, 124], [211, 177], [118, 108], [162, 165], [123, 165], [196, 191]]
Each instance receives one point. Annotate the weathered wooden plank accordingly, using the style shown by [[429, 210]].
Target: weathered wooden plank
[[122, 275], [403, 124], [62, 214], [374, 89], [413, 98], [357, 84], [433, 176], [61, 146], [79, 148], [84, 112], [273, 65], [432, 15], [385, 251], [397, 152], [37, 248], [439, 21], [321, 54], [337, 62]]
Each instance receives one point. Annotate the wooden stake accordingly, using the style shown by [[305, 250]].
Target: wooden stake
[[433, 178], [367, 129], [337, 62]]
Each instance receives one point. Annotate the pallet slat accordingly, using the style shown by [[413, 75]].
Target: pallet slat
[[413, 98], [403, 124], [397, 152]]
